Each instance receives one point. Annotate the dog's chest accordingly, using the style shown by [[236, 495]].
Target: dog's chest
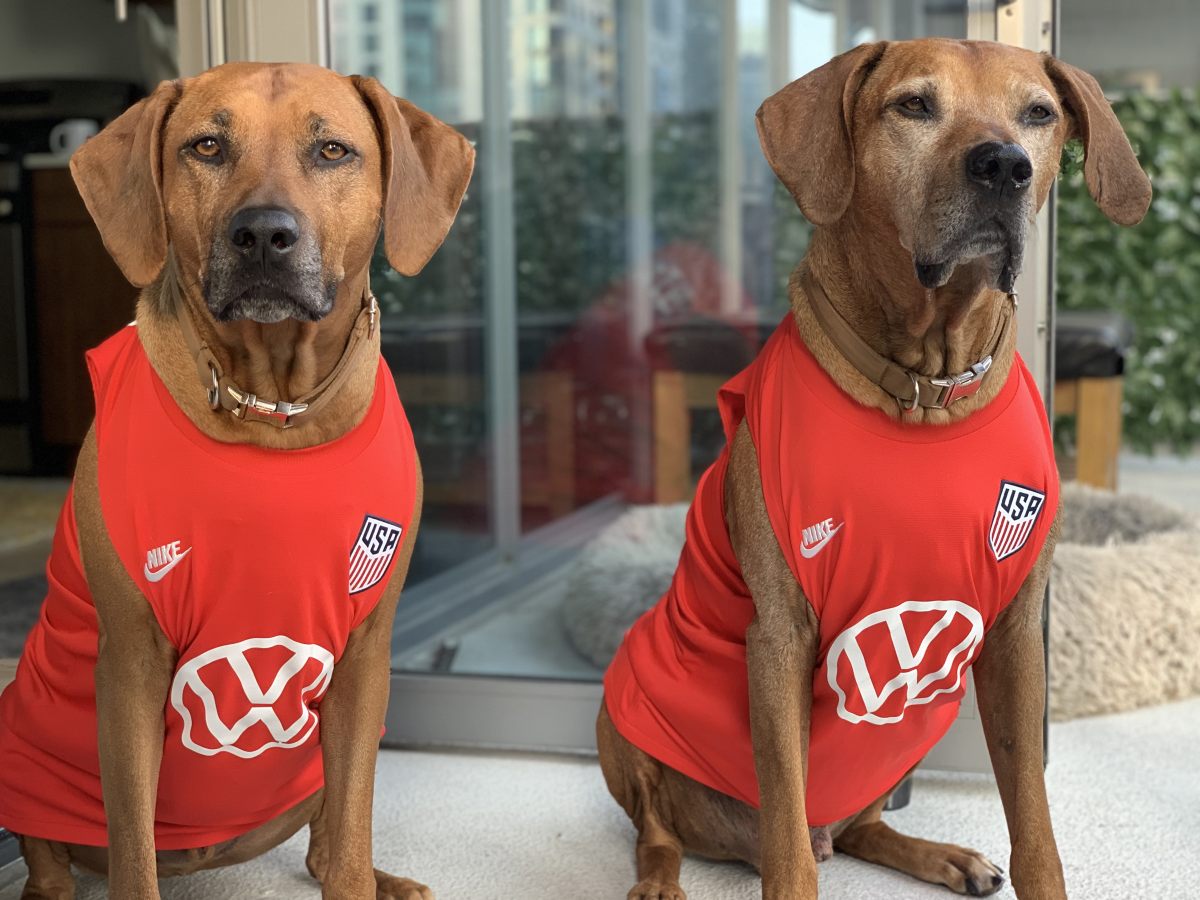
[[908, 541], [257, 564]]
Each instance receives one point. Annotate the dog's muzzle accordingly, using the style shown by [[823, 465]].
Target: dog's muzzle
[[987, 221], [266, 268]]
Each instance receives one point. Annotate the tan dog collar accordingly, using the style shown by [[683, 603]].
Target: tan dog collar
[[224, 394], [910, 389]]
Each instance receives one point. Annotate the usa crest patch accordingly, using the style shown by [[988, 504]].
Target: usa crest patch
[[1017, 510], [372, 552]]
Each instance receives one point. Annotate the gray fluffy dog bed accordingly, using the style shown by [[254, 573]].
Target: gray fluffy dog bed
[[619, 575], [1125, 589]]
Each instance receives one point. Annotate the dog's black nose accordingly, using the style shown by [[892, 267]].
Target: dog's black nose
[[261, 232], [1003, 168]]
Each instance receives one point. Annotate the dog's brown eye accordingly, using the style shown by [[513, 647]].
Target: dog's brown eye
[[333, 151], [1039, 113], [207, 147], [914, 104]]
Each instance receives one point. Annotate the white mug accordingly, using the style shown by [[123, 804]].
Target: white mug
[[68, 136]]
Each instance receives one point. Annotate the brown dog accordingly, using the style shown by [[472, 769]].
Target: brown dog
[[917, 245], [312, 162]]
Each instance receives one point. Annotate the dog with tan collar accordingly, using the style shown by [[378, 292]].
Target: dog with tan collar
[[885, 511], [211, 668]]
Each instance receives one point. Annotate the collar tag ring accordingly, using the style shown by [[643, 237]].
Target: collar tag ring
[[916, 395]]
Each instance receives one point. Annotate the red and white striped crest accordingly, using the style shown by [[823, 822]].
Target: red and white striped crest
[[1017, 510], [372, 552]]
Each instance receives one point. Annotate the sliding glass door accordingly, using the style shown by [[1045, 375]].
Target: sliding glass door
[[622, 250]]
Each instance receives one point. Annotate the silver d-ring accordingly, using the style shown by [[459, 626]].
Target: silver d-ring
[[916, 395], [214, 391]]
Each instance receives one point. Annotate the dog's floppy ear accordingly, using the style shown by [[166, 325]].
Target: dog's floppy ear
[[1114, 178], [426, 168], [119, 175], [805, 133]]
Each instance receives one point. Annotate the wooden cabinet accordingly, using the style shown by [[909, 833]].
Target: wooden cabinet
[[81, 298]]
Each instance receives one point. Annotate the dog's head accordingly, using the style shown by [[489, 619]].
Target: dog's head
[[953, 144], [271, 181]]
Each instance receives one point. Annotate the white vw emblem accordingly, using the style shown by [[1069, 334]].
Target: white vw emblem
[[262, 703], [920, 681]]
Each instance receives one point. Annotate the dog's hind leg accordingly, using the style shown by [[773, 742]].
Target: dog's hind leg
[[868, 838], [659, 857], [675, 814], [635, 781], [49, 864], [317, 859], [387, 887]]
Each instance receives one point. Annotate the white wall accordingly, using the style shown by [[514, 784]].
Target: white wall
[[66, 39]]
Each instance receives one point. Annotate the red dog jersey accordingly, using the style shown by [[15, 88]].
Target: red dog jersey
[[257, 563], [908, 541]]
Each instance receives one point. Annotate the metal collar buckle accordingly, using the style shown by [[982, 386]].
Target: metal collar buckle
[[248, 401], [965, 385]]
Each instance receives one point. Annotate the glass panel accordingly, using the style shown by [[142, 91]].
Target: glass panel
[[427, 51], [569, 173], [652, 251]]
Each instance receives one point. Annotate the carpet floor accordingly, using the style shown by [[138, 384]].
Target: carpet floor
[[1124, 794]]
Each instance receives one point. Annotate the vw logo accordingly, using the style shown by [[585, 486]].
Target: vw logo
[[874, 658], [223, 676]]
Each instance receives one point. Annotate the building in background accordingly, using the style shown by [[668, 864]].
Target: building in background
[[564, 58], [426, 51]]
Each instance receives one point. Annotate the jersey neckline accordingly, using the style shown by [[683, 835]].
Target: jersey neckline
[[821, 385], [323, 457]]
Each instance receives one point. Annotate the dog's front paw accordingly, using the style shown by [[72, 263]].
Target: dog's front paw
[[969, 872], [389, 887], [656, 890]]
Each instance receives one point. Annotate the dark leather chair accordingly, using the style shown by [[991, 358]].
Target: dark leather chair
[[1089, 358]]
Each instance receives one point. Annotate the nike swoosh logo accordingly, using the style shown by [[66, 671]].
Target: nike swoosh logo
[[157, 576], [810, 552]]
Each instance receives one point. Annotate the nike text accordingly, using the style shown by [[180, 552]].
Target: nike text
[[160, 556], [162, 560], [814, 537]]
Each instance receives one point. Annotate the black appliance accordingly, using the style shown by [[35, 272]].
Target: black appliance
[[28, 112]]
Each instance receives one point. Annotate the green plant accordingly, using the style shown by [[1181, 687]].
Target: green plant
[[1150, 273]]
